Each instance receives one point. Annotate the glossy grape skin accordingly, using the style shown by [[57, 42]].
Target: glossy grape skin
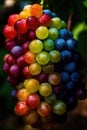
[[9, 44], [56, 23], [45, 89], [29, 57], [32, 85], [55, 56], [48, 45], [54, 78], [21, 108], [11, 60], [66, 55], [21, 26], [9, 32], [53, 33], [21, 62], [26, 72], [48, 12], [44, 20], [43, 58], [22, 94], [72, 44], [14, 71], [65, 34], [60, 44], [32, 22], [12, 19], [59, 107], [25, 47], [44, 109], [33, 100], [42, 32], [36, 46], [35, 69], [16, 51], [31, 35]]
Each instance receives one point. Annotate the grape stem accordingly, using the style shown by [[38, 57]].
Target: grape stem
[[69, 24], [42, 3]]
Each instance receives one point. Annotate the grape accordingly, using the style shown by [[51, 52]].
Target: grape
[[60, 44], [45, 89], [9, 32], [6, 67], [54, 78], [66, 55], [9, 44], [21, 62], [36, 46], [65, 77], [48, 45], [21, 26], [14, 71], [44, 20], [12, 19], [16, 51], [25, 47], [53, 33], [11, 60], [59, 107], [42, 32], [71, 44], [55, 56], [32, 22], [43, 58], [32, 85], [56, 23], [35, 69]]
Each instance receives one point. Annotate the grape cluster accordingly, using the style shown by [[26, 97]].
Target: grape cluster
[[42, 65]]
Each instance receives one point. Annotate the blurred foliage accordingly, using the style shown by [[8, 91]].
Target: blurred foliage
[[63, 8]]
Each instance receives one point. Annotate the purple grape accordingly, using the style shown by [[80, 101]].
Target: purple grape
[[80, 93], [11, 60], [21, 38], [58, 89], [25, 47], [14, 93], [9, 44], [21, 62], [14, 71], [12, 81], [6, 67], [16, 51]]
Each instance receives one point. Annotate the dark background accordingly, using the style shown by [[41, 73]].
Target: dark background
[[77, 10]]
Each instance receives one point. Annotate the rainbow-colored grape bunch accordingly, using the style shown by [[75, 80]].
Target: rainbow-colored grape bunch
[[42, 65]]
